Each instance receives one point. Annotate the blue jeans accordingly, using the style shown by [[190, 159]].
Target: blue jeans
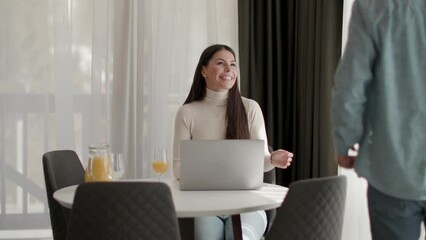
[[394, 218], [253, 225]]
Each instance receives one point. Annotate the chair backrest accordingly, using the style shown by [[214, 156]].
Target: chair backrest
[[61, 169], [123, 210], [312, 209]]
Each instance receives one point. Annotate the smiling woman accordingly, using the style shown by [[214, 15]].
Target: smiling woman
[[215, 109]]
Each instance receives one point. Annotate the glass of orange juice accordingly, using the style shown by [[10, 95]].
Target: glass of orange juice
[[159, 162]]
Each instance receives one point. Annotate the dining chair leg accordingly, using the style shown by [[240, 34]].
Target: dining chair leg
[[236, 226]]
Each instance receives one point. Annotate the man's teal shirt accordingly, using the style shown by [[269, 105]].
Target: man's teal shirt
[[379, 97]]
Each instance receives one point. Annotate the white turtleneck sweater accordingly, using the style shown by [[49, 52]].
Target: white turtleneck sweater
[[206, 120]]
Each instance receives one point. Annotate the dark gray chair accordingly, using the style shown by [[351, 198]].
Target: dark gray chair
[[61, 169], [270, 177], [123, 210], [312, 209]]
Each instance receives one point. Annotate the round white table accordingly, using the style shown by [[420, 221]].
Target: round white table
[[207, 203]]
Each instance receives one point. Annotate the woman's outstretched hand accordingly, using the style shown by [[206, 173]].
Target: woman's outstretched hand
[[281, 158]]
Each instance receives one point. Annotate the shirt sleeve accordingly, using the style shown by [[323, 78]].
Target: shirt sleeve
[[181, 132], [351, 81], [258, 131]]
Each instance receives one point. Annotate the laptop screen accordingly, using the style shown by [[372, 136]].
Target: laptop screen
[[221, 164]]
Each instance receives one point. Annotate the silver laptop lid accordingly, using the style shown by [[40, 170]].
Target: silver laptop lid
[[221, 164]]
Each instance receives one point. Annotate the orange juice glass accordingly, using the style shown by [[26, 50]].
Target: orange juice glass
[[160, 167], [159, 161]]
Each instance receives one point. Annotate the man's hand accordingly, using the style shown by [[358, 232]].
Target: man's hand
[[346, 161]]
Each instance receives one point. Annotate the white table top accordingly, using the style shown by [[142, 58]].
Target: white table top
[[206, 203]]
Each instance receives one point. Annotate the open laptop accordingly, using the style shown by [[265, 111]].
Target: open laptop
[[221, 164]]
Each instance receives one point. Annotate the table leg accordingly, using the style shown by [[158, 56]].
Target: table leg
[[186, 226], [236, 226]]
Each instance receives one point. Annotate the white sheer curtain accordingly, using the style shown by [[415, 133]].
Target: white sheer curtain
[[160, 43], [76, 72]]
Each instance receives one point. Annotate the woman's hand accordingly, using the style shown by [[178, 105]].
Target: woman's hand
[[281, 158]]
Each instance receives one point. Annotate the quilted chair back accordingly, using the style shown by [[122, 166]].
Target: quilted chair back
[[61, 169], [123, 210], [312, 209]]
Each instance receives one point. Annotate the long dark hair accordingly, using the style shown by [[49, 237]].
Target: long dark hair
[[236, 117]]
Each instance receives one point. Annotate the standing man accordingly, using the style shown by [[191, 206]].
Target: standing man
[[379, 101]]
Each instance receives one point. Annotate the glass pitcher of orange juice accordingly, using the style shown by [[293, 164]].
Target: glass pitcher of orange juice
[[98, 167]]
